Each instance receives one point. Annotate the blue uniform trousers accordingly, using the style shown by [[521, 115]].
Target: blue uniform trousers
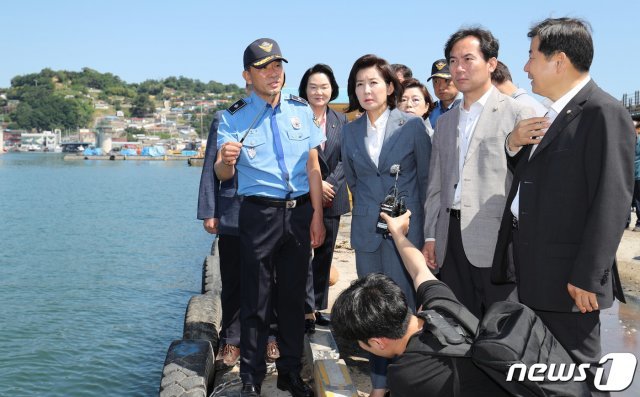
[[275, 242]]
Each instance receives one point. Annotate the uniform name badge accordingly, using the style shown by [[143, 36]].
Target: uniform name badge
[[295, 123], [251, 152]]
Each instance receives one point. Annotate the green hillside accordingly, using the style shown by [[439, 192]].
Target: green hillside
[[71, 100]]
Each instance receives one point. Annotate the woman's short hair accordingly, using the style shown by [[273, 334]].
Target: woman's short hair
[[415, 83], [318, 68], [367, 61]]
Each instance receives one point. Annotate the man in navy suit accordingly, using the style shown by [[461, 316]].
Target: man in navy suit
[[218, 206], [570, 195]]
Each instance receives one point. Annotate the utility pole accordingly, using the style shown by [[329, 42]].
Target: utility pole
[[1, 133]]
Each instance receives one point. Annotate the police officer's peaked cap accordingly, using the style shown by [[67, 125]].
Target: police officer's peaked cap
[[262, 52], [440, 68]]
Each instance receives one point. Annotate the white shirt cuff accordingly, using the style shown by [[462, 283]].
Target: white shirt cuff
[[509, 152]]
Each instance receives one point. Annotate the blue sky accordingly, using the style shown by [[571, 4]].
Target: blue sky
[[144, 39]]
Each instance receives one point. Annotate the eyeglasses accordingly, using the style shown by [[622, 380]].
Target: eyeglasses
[[415, 101]]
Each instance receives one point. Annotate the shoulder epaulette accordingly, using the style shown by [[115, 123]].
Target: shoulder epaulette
[[298, 99], [240, 103]]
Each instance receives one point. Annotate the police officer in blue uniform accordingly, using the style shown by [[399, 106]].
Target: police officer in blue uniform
[[270, 141], [218, 208]]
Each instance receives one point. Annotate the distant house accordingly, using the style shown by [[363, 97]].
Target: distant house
[[13, 137]]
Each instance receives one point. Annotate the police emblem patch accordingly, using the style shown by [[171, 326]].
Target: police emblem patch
[[266, 46], [298, 99], [251, 152], [240, 103], [295, 123]]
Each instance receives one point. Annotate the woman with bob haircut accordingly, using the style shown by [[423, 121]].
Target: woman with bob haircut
[[319, 87], [417, 101], [381, 139]]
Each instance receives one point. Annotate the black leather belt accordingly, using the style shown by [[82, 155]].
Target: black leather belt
[[514, 222], [454, 213], [279, 203]]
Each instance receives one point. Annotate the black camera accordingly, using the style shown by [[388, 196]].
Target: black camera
[[393, 205]]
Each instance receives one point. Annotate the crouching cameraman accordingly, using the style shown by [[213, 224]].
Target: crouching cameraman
[[373, 311]]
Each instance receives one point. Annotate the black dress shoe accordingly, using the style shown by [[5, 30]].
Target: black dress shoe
[[309, 326], [322, 319], [293, 383], [249, 390]]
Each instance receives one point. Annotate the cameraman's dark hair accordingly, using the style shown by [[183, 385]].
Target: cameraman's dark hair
[[318, 68], [372, 306], [402, 69], [501, 74], [489, 45], [569, 35], [367, 61]]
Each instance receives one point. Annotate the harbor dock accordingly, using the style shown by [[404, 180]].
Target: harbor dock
[[335, 368], [77, 157]]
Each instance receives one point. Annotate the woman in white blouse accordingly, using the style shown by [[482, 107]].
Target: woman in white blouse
[[381, 138]]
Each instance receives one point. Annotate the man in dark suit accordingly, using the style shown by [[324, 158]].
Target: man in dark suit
[[218, 208], [570, 195]]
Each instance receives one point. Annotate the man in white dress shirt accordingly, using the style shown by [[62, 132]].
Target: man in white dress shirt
[[468, 175]]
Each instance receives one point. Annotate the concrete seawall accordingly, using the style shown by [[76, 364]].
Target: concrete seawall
[[76, 157], [339, 369]]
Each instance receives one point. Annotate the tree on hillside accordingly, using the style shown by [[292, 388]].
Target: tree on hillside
[[142, 105], [151, 87], [50, 111]]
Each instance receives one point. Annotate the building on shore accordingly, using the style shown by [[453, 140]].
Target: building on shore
[[632, 103], [41, 141]]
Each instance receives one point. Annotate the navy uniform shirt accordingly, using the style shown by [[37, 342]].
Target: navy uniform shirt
[[259, 173]]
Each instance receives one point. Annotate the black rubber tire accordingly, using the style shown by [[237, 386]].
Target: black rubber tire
[[203, 318], [211, 279], [188, 369]]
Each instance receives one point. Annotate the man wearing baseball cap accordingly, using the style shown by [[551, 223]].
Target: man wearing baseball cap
[[443, 88], [270, 140]]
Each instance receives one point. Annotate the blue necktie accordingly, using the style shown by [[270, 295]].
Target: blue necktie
[[277, 142]]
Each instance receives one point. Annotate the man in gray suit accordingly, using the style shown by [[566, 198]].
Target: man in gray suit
[[468, 175]]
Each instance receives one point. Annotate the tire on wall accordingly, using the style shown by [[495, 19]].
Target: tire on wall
[[188, 369], [203, 318], [211, 279]]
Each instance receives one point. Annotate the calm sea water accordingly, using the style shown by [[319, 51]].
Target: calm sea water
[[98, 260]]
